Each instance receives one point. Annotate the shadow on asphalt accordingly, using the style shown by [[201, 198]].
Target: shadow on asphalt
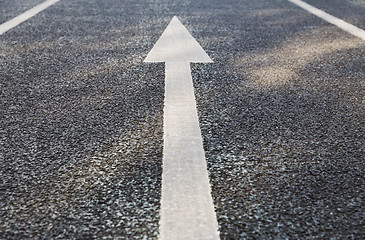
[[283, 128]]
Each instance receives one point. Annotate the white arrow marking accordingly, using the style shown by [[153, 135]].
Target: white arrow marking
[[25, 16], [358, 32], [187, 210]]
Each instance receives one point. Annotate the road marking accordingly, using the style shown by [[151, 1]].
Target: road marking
[[358, 32], [25, 16], [187, 210]]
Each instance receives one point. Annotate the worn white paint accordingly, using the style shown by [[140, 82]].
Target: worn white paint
[[25, 16], [187, 210], [358, 32]]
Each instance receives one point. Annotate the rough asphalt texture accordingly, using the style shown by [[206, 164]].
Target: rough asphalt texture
[[11, 9], [282, 113]]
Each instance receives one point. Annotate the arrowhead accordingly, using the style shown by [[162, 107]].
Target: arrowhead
[[176, 45]]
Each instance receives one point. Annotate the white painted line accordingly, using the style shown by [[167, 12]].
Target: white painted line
[[358, 32], [187, 210], [25, 16]]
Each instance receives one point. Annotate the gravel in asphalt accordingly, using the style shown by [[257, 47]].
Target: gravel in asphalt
[[282, 119], [81, 126], [11, 9], [281, 112]]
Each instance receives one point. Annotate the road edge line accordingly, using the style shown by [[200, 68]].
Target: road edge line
[[25, 16], [358, 32]]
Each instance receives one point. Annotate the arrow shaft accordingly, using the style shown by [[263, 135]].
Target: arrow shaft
[[187, 210]]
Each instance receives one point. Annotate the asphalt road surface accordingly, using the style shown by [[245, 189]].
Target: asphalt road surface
[[281, 110]]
